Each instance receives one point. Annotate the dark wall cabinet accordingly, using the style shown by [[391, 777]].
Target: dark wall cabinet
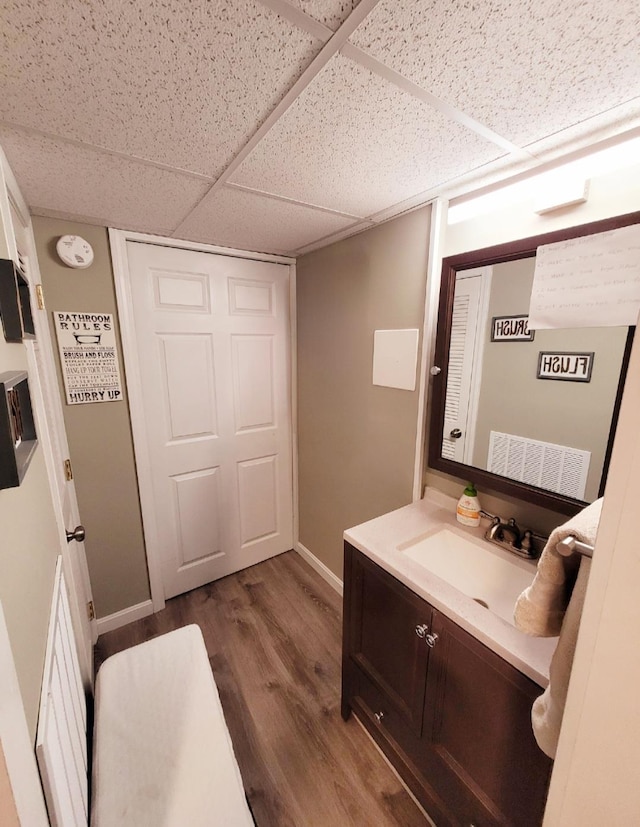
[[15, 304], [18, 439], [452, 716]]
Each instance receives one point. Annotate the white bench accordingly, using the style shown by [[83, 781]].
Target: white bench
[[162, 752]]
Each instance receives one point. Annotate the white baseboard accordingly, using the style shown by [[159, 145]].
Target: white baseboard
[[124, 616], [332, 579]]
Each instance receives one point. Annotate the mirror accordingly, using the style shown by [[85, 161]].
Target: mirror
[[527, 413]]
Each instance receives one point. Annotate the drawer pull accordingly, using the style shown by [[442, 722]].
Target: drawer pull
[[379, 716], [431, 640], [422, 630]]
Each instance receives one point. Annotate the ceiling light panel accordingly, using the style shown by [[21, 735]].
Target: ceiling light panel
[[356, 143], [525, 69], [180, 83], [236, 218], [56, 176], [330, 12]]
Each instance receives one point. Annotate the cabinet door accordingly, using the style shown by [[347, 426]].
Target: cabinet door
[[381, 617], [481, 754]]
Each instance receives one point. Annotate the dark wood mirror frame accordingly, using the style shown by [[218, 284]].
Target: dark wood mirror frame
[[511, 251]]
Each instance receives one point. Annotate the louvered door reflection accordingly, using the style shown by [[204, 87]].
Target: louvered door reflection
[[464, 329]]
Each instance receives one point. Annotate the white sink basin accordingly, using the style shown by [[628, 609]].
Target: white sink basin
[[473, 567]]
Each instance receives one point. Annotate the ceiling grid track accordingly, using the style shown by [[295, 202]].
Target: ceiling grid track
[[338, 42], [330, 48], [126, 156]]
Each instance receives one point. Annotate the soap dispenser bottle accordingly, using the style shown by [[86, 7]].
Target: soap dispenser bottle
[[468, 509]]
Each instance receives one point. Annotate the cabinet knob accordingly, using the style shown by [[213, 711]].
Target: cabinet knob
[[422, 630], [431, 640], [379, 716]]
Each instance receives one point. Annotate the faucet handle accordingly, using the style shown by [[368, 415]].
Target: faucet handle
[[527, 541]]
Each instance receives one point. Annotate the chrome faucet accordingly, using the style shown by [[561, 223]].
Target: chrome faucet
[[508, 535]]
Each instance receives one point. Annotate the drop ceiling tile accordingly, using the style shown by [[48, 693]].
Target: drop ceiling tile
[[62, 177], [606, 125], [356, 143], [250, 221], [524, 68], [330, 12], [180, 83]]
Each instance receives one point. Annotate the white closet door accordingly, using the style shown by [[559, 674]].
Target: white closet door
[[213, 346]]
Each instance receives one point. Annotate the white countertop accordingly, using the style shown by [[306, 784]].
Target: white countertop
[[380, 538]]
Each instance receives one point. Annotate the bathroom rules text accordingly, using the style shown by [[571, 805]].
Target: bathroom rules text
[[88, 357]]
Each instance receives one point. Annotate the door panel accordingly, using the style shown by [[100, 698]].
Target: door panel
[[213, 347], [191, 403], [257, 485], [382, 639], [253, 381], [197, 500], [482, 750]]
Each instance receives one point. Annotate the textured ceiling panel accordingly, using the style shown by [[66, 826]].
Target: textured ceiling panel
[[524, 68], [236, 218], [61, 177], [330, 12], [607, 124], [356, 143], [181, 83]]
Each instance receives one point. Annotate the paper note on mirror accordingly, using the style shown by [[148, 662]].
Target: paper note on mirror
[[592, 281]]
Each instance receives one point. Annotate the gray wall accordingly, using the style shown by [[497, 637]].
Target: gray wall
[[356, 441], [513, 401], [99, 434]]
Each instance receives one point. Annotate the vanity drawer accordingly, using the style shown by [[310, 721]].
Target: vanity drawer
[[381, 713], [398, 743]]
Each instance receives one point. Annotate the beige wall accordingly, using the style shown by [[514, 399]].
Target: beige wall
[[30, 541], [99, 434], [356, 442], [513, 401]]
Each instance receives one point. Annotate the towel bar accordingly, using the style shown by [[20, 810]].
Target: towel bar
[[567, 547]]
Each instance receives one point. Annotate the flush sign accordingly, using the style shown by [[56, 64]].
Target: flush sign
[[511, 329], [567, 367]]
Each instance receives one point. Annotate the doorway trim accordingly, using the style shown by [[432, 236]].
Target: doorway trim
[[122, 279]]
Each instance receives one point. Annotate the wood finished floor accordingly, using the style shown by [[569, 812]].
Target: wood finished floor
[[273, 635]]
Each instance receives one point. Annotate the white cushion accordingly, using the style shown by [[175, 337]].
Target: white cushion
[[162, 752]]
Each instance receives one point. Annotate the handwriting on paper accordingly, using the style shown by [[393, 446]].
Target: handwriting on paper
[[592, 281]]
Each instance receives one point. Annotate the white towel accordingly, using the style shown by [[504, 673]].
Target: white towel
[[553, 604], [540, 609], [548, 709]]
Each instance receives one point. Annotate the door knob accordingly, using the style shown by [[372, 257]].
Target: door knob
[[431, 640], [456, 433], [78, 534], [422, 630]]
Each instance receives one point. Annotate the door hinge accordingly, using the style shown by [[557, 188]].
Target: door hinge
[[68, 471], [40, 297], [91, 612]]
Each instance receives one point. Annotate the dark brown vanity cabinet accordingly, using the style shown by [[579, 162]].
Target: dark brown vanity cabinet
[[452, 716]]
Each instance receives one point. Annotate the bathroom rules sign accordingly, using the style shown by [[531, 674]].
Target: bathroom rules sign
[[88, 356]]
